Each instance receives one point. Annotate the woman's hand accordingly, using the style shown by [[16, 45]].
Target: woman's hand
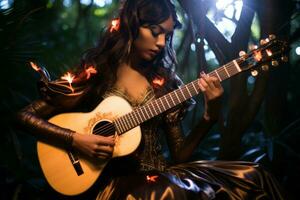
[[95, 146], [212, 90]]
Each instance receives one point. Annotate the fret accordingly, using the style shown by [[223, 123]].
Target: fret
[[222, 73], [141, 109], [146, 113], [169, 106], [117, 125], [226, 70], [162, 103], [181, 90], [124, 123], [134, 119], [177, 96], [189, 91], [152, 109], [216, 72], [172, 99], [121, 125], [158, 106], [195, 87], [236, 66], [138, 115], [128, 121]]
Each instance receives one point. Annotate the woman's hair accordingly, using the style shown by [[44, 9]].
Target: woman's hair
[[114, 47]]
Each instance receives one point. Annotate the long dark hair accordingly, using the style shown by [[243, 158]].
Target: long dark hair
[[114, 47]]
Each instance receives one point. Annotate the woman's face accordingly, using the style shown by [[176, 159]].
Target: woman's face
[[152, 39]]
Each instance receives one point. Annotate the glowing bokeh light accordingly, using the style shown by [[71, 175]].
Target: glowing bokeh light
[[100, 3], [251, 80], [5, 4], [193, 47], [222, 4], [298, 51]]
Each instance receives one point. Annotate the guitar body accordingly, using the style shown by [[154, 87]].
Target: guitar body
[[55, 161]]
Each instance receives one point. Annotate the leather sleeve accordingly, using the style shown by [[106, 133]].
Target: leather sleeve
[[34, 118], [56, 97]]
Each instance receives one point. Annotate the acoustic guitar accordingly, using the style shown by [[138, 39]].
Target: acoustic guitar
[[72, 173]]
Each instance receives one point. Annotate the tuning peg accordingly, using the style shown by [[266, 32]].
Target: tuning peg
[[265, 67], [254, 72], [269, 52], [262, 42], [252, 47], [272, 37], [275, 63], [284, 58], [242, 53]]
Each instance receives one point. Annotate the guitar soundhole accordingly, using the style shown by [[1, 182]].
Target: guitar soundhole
[[104, 128]]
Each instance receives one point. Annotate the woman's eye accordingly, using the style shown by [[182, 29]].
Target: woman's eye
[[154, 32]]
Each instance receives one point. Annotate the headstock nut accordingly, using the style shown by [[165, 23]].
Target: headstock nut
[[272, 37]]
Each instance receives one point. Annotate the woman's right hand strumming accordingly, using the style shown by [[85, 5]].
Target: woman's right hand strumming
[[95, 146]]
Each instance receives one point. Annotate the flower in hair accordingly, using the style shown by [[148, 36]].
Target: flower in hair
[[115, 25]]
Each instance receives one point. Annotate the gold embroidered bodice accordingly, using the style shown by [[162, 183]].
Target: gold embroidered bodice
[[148, 155]]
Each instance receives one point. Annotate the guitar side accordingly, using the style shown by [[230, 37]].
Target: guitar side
[[55, 162]]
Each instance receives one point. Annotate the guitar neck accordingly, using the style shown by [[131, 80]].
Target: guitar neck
[[172, 99]]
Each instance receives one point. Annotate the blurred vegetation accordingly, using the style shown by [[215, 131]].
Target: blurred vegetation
[[54, 33]]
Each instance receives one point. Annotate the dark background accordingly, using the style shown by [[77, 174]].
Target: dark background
[[261, 115]]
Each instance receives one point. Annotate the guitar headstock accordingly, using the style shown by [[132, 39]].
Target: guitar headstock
[[271, 52]]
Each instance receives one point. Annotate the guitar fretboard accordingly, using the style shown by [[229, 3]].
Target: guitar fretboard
[[170, 100]]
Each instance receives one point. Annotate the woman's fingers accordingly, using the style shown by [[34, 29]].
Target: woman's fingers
[[208, 80], [102, 155], [202, 84], [104, 148], [102, 140]]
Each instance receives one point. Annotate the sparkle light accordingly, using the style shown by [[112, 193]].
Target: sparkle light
[[90, 70], [69, 77], [151, 178], [158, 81], [34, 66]]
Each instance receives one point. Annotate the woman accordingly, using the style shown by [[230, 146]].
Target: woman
[[135, 60]]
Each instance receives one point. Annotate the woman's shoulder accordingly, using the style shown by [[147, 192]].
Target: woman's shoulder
[[67, 91]]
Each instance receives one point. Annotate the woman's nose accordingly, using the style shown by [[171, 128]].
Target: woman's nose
[[161, 41]]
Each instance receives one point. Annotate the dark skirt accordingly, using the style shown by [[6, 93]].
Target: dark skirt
[[196, 180]]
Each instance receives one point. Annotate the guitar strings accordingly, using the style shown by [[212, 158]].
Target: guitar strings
[[106, 129]]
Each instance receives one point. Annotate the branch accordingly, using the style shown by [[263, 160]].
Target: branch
[[215, 39], [242, 32]]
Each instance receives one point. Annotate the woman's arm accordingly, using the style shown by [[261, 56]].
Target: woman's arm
[[34, 118]]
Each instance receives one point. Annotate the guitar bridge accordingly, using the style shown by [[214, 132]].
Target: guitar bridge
[[75, 162]]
